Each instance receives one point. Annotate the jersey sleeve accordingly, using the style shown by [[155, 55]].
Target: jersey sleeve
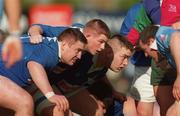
[[152, 8], [51, 31], [130, 19], [45, 56], [142, 20]]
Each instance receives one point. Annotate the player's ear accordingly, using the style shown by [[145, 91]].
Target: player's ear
[[63, 44]]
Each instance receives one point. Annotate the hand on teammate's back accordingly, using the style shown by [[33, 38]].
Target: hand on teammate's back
[[35, 39], [12, 50], [61, 102]]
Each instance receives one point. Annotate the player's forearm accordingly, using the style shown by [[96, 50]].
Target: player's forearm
[[43, 84], [39, 77], [13, 11], [176, 25], [174, 47]]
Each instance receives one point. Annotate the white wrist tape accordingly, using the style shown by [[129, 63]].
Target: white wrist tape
[[49, 94], [15, 33]]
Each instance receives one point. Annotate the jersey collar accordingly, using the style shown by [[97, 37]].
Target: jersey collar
[[59, 50]]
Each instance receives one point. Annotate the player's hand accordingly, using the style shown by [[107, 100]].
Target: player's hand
[[101, 110], [101, 106], [176, 25], [61, 102], [176, 89], [12, 50], [36, 38]]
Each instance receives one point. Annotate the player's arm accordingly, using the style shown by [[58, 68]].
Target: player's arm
[[40, 78], [11, 50], [36, 32], [174, 47], [176, 25], [13, 11]]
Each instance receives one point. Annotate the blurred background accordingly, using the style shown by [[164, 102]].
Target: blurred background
[[67, 12]]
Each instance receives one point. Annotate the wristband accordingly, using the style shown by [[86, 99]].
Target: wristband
[[49, 94], [15, 33]]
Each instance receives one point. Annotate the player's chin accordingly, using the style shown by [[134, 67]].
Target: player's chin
[[93, 52], [118, 69], [72, 62]]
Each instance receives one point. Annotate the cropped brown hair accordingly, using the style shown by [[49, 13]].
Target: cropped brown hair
[[99, 26], [123, 41], [147, 33], [73, 33]]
